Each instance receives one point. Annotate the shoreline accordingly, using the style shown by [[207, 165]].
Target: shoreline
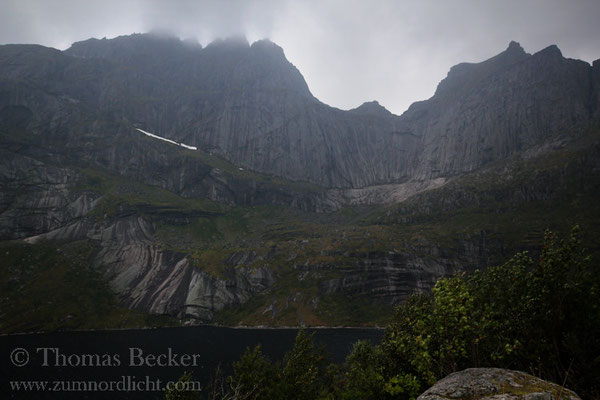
[[238, 327]]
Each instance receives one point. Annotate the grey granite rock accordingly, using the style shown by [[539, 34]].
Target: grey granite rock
[[252, 107], [497, 384]]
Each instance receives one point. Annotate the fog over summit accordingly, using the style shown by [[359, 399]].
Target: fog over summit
[[348, 51]]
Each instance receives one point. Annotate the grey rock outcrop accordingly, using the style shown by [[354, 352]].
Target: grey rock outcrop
[[208, 294], [151, 279], [512, 102], [36, 198], [497, 384], [390, 277]]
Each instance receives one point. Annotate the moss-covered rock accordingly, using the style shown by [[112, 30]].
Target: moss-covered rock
[[495, 383]]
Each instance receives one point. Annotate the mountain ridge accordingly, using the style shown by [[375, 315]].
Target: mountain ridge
[[290, 211], [248, 104]]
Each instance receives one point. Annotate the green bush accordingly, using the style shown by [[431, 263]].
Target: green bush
[[541, 317]]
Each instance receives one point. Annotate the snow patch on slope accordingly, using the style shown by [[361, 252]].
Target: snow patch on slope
[[166, 140]]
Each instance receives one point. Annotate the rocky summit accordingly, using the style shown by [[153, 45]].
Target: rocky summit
[[209, 183]]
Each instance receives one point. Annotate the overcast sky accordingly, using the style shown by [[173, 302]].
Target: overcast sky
[[349, 51]]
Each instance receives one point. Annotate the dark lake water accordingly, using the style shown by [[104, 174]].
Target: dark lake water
[[121, 364]]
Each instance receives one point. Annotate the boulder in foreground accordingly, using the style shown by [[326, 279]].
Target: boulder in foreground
[[497, 384]]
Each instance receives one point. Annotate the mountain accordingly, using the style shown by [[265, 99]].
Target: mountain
[[279, 209], [264, 118], [251, 106]]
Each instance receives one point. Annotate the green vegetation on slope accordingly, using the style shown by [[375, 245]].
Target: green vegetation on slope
[[50, 287], [118, 192], [476, 220], [501, 210], [539, 316], [514, 201]]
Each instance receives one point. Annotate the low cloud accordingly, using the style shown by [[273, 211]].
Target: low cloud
[[349, 51]]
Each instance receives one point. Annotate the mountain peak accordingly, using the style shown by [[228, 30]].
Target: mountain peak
[[464, 74], [551, 50], [237, 41], [515, 47], [131, 46], [371, 108], [513, 53], [266, 46]]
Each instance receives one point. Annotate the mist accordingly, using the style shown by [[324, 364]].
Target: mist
[[348, 51]]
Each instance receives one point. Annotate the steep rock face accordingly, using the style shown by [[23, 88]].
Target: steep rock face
[[37, 198], [164, 282], [41, 202], [595, 106], [527, 99], [250, 105], [151, 279], [487, 111], [495, 383], [390, 277], [208, 294]]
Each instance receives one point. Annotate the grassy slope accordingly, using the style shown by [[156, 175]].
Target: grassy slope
[[514, 201], [51, 287]]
